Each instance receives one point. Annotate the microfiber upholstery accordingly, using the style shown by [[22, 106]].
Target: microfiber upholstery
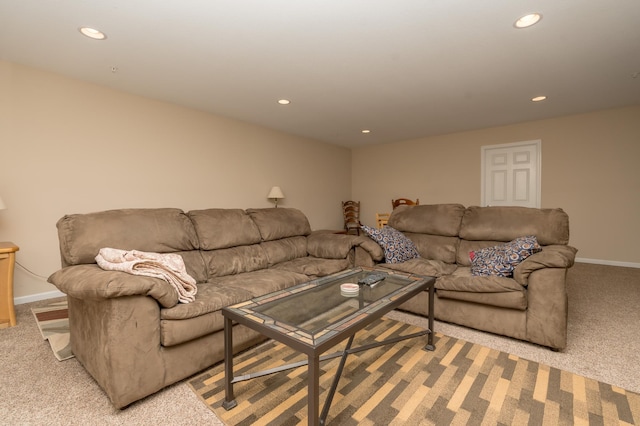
[[164, 230], [274, 224], [224, 228], [235, 260], [282, 250], [436, 219], [550, 226], [529, 302], [129, 331]]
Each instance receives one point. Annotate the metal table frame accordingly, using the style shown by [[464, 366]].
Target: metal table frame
[[314, 352]]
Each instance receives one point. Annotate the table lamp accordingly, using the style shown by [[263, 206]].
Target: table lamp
[[275, 194]]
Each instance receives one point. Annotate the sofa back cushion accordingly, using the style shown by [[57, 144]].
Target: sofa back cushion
[[503, 224], [435, 247], [164, 230], [437, 219], [277, 223], [224, 228], [234, 260], [285, 249]]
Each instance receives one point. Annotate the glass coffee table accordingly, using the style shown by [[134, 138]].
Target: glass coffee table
[[314, 316]]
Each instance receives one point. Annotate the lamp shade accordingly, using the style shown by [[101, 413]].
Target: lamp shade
[[275, 193], [2, 205]]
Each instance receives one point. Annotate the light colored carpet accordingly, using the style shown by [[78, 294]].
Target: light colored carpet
[[604, 344]]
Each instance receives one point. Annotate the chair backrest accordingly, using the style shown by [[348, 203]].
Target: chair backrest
[[351, 212], [404, 202], [382, 219]]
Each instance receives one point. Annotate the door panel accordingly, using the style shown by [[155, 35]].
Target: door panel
[[511, 174]]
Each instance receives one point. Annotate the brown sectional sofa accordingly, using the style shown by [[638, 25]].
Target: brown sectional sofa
[[531, 305], [130, 332], [134, 338]]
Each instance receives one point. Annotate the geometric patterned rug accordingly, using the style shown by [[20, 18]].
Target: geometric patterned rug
[[53, 323], [401, 384]]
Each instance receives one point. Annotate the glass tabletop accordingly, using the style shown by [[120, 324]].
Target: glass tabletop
[[318, 309]]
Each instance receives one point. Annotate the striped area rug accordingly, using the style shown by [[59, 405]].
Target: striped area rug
[[53, 323], [459, 383]]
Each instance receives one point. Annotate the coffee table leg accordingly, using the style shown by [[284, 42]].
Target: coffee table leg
[[313, 396], [432, 293], [229, 399]]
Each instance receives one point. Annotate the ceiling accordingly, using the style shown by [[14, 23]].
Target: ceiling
[[402, 68]]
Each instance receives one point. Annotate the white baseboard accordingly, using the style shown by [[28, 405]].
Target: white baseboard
[[608, 262], [36, 297]]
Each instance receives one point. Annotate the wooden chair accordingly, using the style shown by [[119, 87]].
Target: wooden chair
[[382, 219], [351, 212], [404, 202]]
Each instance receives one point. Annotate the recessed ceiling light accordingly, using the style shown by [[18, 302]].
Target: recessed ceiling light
[[92, 33], [284, 101], [538, 98], [528, 20], [365, 131]]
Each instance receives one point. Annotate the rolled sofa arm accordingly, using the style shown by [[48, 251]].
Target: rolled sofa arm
[[328, 245], [368, 252], [92, 282], [553, 256], [338, 246], [371, 247]]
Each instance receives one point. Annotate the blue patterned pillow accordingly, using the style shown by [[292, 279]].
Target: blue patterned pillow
[[397, 248], [501, 260]]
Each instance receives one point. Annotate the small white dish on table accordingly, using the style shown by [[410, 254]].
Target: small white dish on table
[[349, 289]]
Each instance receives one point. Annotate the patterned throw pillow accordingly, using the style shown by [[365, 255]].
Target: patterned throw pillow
[[397, 248], [501, 260]]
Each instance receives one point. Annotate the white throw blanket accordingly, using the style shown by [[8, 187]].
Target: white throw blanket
[[168, 266]]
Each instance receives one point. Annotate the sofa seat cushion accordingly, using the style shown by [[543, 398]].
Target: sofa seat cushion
[[185, 322], [314, 267], [422, 266], [492, 290]]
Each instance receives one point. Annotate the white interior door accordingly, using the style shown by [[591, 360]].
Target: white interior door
[[511, 174]]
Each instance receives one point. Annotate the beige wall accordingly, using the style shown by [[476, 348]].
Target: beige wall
[[71, 147], [590, 168]]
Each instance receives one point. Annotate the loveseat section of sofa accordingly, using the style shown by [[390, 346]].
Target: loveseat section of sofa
[[530, 305], [130, 332]]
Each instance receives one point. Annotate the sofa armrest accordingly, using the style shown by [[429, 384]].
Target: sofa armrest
[[92, 282], [547, 309], [553, 256], [327, 245], [372, 247], [368, 252]]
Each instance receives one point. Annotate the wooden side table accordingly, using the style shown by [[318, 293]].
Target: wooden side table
[[7, 261]]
